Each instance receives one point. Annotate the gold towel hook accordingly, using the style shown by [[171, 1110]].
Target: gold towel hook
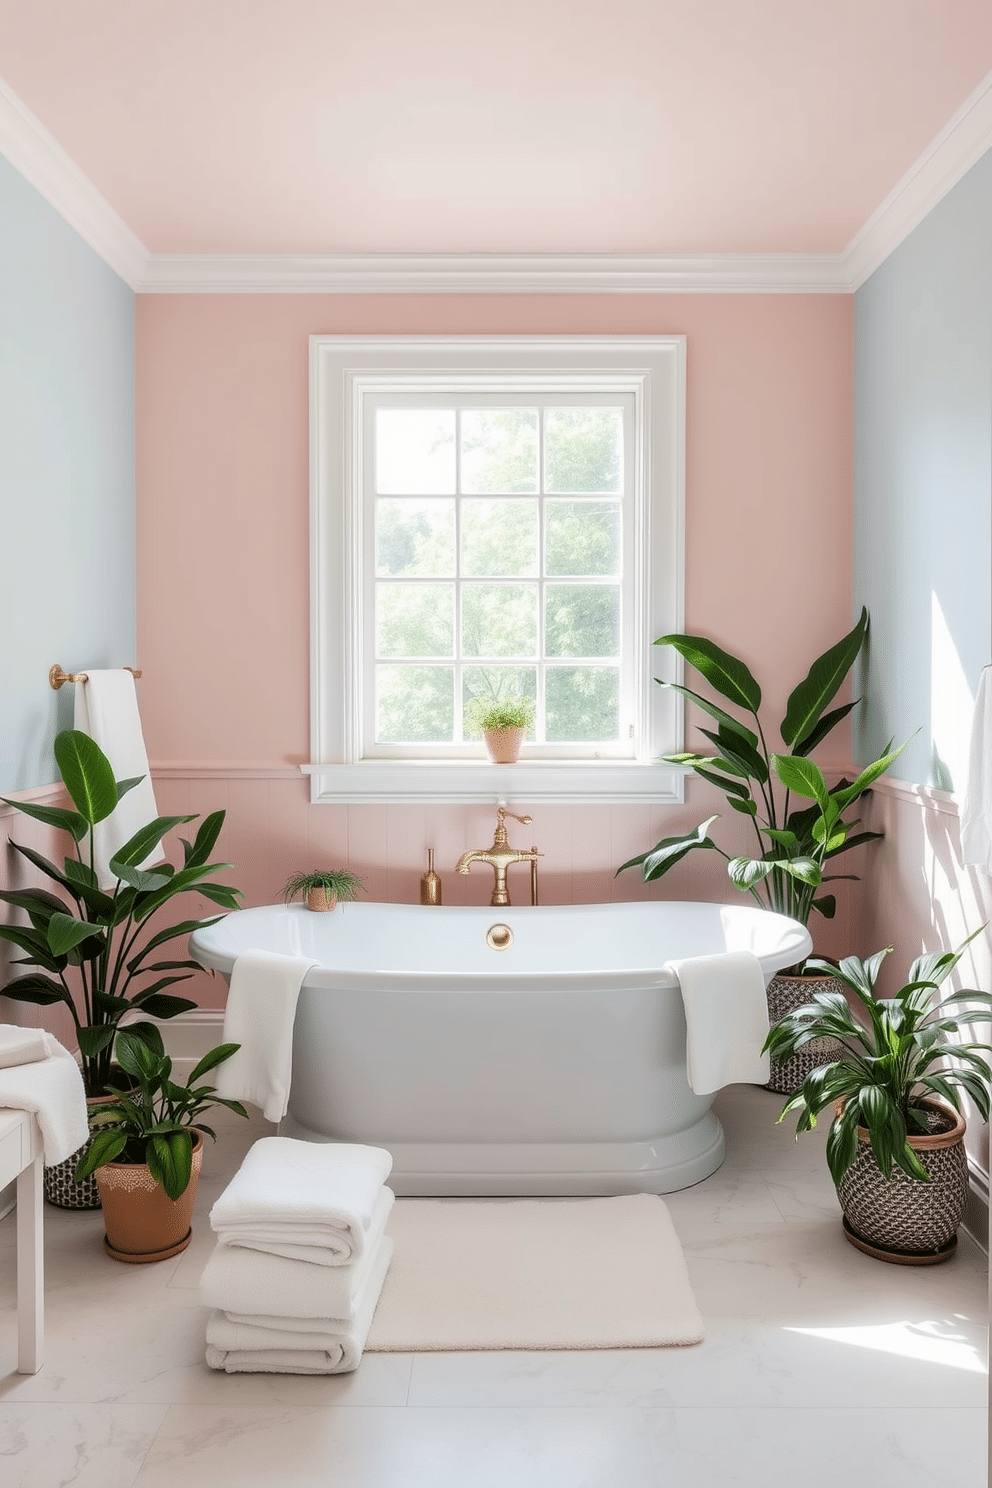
[[57, 676]]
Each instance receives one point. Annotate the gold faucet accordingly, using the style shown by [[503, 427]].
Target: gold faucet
[[500, 856]]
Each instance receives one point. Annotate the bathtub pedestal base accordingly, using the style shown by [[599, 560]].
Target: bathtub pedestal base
[[545, 1169]]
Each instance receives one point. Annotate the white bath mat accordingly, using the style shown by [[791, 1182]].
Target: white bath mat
[[534, 1274]]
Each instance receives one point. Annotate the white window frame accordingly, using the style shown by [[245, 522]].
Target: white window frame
[[342, 369]]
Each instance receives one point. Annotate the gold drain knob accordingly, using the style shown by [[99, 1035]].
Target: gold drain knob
[[499, 937]]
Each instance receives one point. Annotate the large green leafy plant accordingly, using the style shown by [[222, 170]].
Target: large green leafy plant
[[904, 1053], [153, 1121], [94, 949], [794, 842]]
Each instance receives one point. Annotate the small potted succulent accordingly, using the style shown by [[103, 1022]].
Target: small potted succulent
[[896, 1146], [322, 888], [147, 1148], [503, 723]]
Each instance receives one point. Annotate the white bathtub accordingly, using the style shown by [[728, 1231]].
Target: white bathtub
[[554, 1066]]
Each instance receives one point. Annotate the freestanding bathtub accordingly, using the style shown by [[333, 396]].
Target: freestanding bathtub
[[504, 1051]]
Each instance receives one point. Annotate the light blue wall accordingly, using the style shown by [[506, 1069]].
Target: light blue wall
[[67, 503], [923, 477]]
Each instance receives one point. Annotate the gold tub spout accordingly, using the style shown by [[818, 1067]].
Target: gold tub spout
[[500, 856]]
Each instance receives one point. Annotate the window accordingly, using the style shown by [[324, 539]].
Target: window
[[492, 517]]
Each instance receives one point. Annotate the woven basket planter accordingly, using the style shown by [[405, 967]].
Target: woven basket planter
[[785, 995], [143, 1224], [61, 1185], [320, 901], [901, 1219]]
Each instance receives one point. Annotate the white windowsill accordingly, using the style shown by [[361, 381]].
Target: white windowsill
[[592, 782]]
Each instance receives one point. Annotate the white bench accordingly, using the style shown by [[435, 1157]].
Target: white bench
[[21, 1157]]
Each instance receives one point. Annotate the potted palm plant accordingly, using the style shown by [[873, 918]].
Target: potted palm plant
[[503, 723], [147, 1149], [794, 842], [895, 1149], [97, 951], [323, 887]]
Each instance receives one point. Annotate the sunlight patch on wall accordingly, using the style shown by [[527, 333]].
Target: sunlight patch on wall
[[952, 704]]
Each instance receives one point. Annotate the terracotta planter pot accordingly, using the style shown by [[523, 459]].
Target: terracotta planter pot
[[320, 900], [503, 745], [143, 1224], [786, 994], [900, 1219]]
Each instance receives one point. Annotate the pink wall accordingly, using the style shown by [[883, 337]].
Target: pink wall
[[223, 562]]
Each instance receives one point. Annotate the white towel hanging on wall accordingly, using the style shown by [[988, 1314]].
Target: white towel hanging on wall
[[106, 708], [976, 809]]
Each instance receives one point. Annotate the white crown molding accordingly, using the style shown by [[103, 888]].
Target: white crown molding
[[717, 273], [40, 158], [963, 140]]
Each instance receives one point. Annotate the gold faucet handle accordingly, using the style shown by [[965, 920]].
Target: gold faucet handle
[[502, 812]]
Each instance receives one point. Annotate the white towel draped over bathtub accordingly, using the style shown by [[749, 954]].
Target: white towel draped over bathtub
[[726, 1017], [106, 708], [260, 1012], [309, 1201]]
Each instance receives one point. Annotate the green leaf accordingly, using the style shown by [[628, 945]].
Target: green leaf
[[726, 673], [94, 1038], [34, 944], [139, 879], [146, 839], [746, 872], [737, 753], [826, 725], [170, 1161], [53, 816], [212, 1060], [870, 774], [88, 775], [669, 851], [41, 990], [729, 787], [206, 839], [826, 905], [104, 1147], [746, 808], [724, 719], [821, 683], [806, 870], [65, 931], [123, 786], [803, 777], [159, 1006]]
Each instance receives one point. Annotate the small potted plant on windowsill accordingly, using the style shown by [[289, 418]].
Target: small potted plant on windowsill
[[322, 888], [147, 1148], [896, 1146], [503, 724]]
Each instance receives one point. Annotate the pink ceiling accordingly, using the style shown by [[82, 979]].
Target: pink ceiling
[[541, 126]]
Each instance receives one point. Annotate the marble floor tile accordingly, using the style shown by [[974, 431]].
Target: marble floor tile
[[46, 1446], [409, 1448], [865, 1447]]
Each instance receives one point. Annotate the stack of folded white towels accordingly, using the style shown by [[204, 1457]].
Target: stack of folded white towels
[[300, 1260]]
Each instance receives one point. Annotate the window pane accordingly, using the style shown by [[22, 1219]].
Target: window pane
[[582, 620], [415, 451], [499, 449], [583, 449], [499, 538], [414, 704], [583, 704], [499, 620], [414, 537], [414, 619], [496, 682], [583, 537]]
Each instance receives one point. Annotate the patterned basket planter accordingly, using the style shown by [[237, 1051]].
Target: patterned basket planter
[[785, 995], [61, 1186], [900, 1219]]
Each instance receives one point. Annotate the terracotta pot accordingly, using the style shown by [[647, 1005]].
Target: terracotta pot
[[899, 1218], [320, 900], [142, 1223], [503, 745], [785, 994]]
